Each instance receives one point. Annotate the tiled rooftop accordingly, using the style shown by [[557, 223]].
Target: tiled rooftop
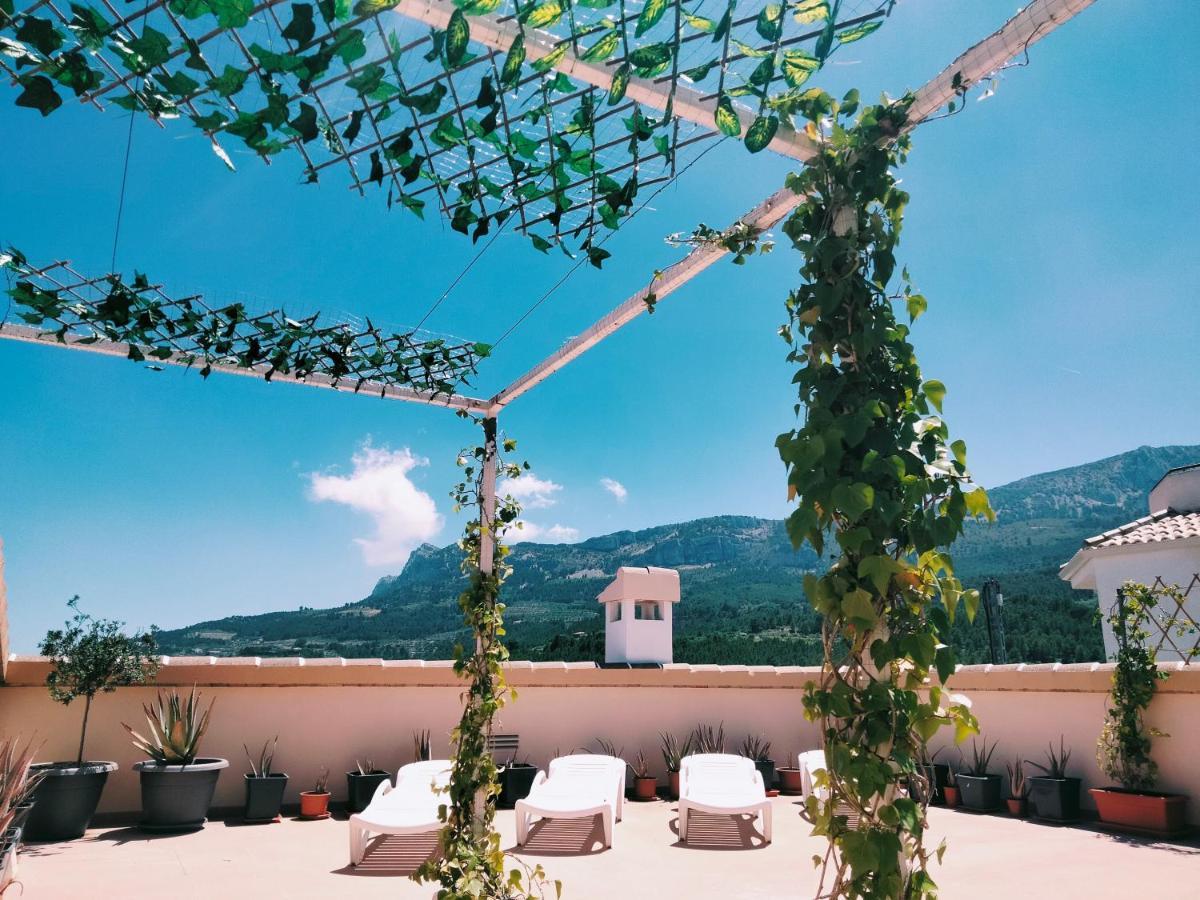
[[1159, 527], [989, 857]]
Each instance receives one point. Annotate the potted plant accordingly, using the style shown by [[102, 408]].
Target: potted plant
[[950, 790], [645, 786], [1054, 796], [422, 750], [673, 753], [1017, 789], [980, 789], [314, 804], [791, 778], [706, 739], [177, 783], [516, 781], [758, 748], [17, 785], [1123, 749], [934, 775], [362, 784], [88, 656], [264, 786]]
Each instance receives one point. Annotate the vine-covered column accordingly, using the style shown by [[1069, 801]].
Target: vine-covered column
[[872, 470], [471, 863]]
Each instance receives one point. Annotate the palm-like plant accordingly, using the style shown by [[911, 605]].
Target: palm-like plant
[[176, 727], [706, 739], [756, 747], [673, 751]]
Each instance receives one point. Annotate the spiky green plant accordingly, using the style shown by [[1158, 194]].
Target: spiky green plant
[[422, 749], [756, 747], [706, 739], [17, 782], [1056, 763], [1016, 779], [266, 758], [673, 751], [176, 727], [608, 748], [981, 759], [321, 785]]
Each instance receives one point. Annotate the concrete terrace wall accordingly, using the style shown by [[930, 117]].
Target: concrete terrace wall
[[330, 711]]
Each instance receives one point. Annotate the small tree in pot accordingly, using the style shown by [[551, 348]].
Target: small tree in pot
[[980, 789], [1054, 796], [177, 783], [264, 786], [1123, 749], [88, 656]]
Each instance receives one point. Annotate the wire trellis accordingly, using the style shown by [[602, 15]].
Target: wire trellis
[[553, 113], [155, 327]]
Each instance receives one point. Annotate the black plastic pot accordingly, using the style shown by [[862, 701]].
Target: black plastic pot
[[21, 816], [980, 792], [937, 776], [177, 798], [1054, 799], [516, 781], [360, 788], [264, 796], [766, 768], [66, 799]]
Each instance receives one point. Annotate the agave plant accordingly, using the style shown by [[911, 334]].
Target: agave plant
[[266, 759], [981, 759], [756, 747], [640, 765], [608, 748], [321, 785], [673, 751], [1016, 779], [422, 750], [1056, 763], [17, 782], [706, 739], [176, 727]]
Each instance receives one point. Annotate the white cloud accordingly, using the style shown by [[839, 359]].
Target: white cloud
[[404, 515], [615, 488], [555, 534], [530, 491]]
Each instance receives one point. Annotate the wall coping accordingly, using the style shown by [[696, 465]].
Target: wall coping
[[250, 671]]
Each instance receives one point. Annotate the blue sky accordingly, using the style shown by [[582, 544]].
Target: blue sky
[[1052, 227]]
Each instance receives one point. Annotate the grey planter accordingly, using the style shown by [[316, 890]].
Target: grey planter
[[177, 798], [66, 800], [264, 796], [980, 792], [361, 787], [516, 781], [1054, 799], [766, 768]]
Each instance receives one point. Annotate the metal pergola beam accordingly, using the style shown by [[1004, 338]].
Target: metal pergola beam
[[29, 334], [690, 105], [1016, 36]]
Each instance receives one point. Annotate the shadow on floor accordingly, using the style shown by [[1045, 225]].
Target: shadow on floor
[[707, 831], [565, 837], [394, 855]]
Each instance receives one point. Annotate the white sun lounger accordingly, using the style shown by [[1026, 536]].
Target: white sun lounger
[[809, 762], [410, 807], [577, 787], [722, 784]]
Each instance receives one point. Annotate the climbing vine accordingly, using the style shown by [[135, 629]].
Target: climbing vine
[[471, 863], [872, 469]]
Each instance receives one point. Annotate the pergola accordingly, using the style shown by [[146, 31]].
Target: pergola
[[549, 118]]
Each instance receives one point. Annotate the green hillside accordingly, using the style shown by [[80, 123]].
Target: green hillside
[[742, 600]]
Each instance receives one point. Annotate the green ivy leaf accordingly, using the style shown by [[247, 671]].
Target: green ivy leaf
[[550, 60], [726, 119], [945, 661], [759, 134], [40, 34], [141, 54], [190, 9], [305, 123], [770, 22], [39, 94], [458, 34], [798, 66], [620, 83], [229, 82], [511, 72], [372, 7], [652, 12], [603, 48], [699, 73], [543, 14], [301, 29], [917, 304], [700, 23], [857, 607], [936, 392], [808, 12], [853, 499], [348, 44], [367, 81], [478, 7], [426, 104], [89, 26], [977, 501], [858, 32], [651, 56], [232, 13]]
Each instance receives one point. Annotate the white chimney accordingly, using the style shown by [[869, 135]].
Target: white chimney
[[637, 615]]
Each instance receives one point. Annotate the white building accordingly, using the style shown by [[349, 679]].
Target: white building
[[637, 615], [1164, 545]]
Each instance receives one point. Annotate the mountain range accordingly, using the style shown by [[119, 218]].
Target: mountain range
[[742, 600]]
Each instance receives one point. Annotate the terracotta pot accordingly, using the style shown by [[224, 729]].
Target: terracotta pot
[[314, 805], [790, 780], [950, 794], [645, 788], [1146, 811], [673, 782], [1016, 807]]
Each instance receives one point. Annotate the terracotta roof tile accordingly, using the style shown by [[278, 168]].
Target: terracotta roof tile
[[1157, 528]]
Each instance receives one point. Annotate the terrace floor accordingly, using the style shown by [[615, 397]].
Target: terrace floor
[[989, 857]]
